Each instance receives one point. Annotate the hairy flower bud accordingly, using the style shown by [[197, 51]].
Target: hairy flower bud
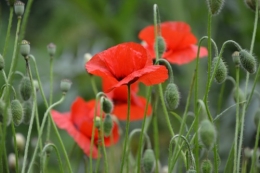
[[241, 95], [20, 141], [107, 105], [215, 6], [221, 70], [236, 58], [25, 88], [65, 85], [252, 4], [161, 45], [2, 62], [51, 48], [108, 125], [206, 166], [2, 113], [25, 48], [148, 161], [27, 108], [19, 8], [207, 134], [17, 112], [172, 96], [248, 61]]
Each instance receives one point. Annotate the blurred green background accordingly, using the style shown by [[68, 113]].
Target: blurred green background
[[90, 26]]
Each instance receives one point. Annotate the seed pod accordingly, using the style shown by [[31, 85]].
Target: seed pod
[[148, 161], [19, 8], [221, 70], [51, 48], [2, 62], [161, 45], [215, 6], [248, 61], [17, 112], [172, 96], [252, 4], [257, 118], [27, 108], [241, 95], [206, 166], [207, 134], [108, 125], [107, 105], [65, 85], [25, 48], [25, 88]]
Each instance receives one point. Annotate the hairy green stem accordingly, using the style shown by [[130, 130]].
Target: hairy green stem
[[8, 30]]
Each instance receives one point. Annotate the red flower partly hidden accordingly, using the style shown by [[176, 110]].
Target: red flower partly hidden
[[125, 64], [79, 122], [119, 98], [180, 42]]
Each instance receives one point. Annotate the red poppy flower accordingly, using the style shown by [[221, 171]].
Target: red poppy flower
[[119, 98], [79, 122], [124, 64], [180, 42]]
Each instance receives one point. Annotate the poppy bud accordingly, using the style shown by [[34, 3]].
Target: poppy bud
[[108, 125], [2, 62], [25, 88], [49, 149], [107, 105], [161, 45], [252, 4], [19, 8], [25, 48], [206, 166], [148, 161], [236, 58], [97, 122], [172, 96], [207, 134], [65, 85], [20, 141], [27, 108], [221, 70], [51, 48], [215, 6], [17, 112], [12, 161], [257, 118], [248, 61], [240, 93], [2, 111]]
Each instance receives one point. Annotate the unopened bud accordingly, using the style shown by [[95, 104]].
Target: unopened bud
[[107, 105], [2, 62], [207, 134], [20, 141], [206, 166], [148, 161], [161, 45], [27, 108], [252, 4], [12, 161], [221, 70], [49, 149], [172, 96], [97, 122], [19, 8], [2, 113], [108, 125], [17, 112], [248, 61], [51, 48], [215, 6], [25, 88], [65, 85], [25, 48], [236, 58], [238, 94]]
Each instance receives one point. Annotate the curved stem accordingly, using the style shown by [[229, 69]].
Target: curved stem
[[127, 127], [168, 66]]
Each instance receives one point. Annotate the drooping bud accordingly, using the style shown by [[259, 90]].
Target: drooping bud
[[25, 88], [51, 48], [236, 58], [12, 161], [161, 45], [207, 134], [2, 62], [172, 96], [206, 166], [107, 105], [221, 70], [27, 108], [20, 141], [215, 6], [108, 125], [49, 149], [17, 112], [241, 95], [252, 4], [248, 61], [148, 161], [257, 118], [19, 8], [25, 48], [65, 85]]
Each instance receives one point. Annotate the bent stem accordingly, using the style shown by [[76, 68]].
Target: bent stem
[[127, 127]]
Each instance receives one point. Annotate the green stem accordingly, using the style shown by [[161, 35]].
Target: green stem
[[253, 162], [156, 141], [102, 140], [25, 17], [15, 147], [93, 84], [8, 30], [127, 127]]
